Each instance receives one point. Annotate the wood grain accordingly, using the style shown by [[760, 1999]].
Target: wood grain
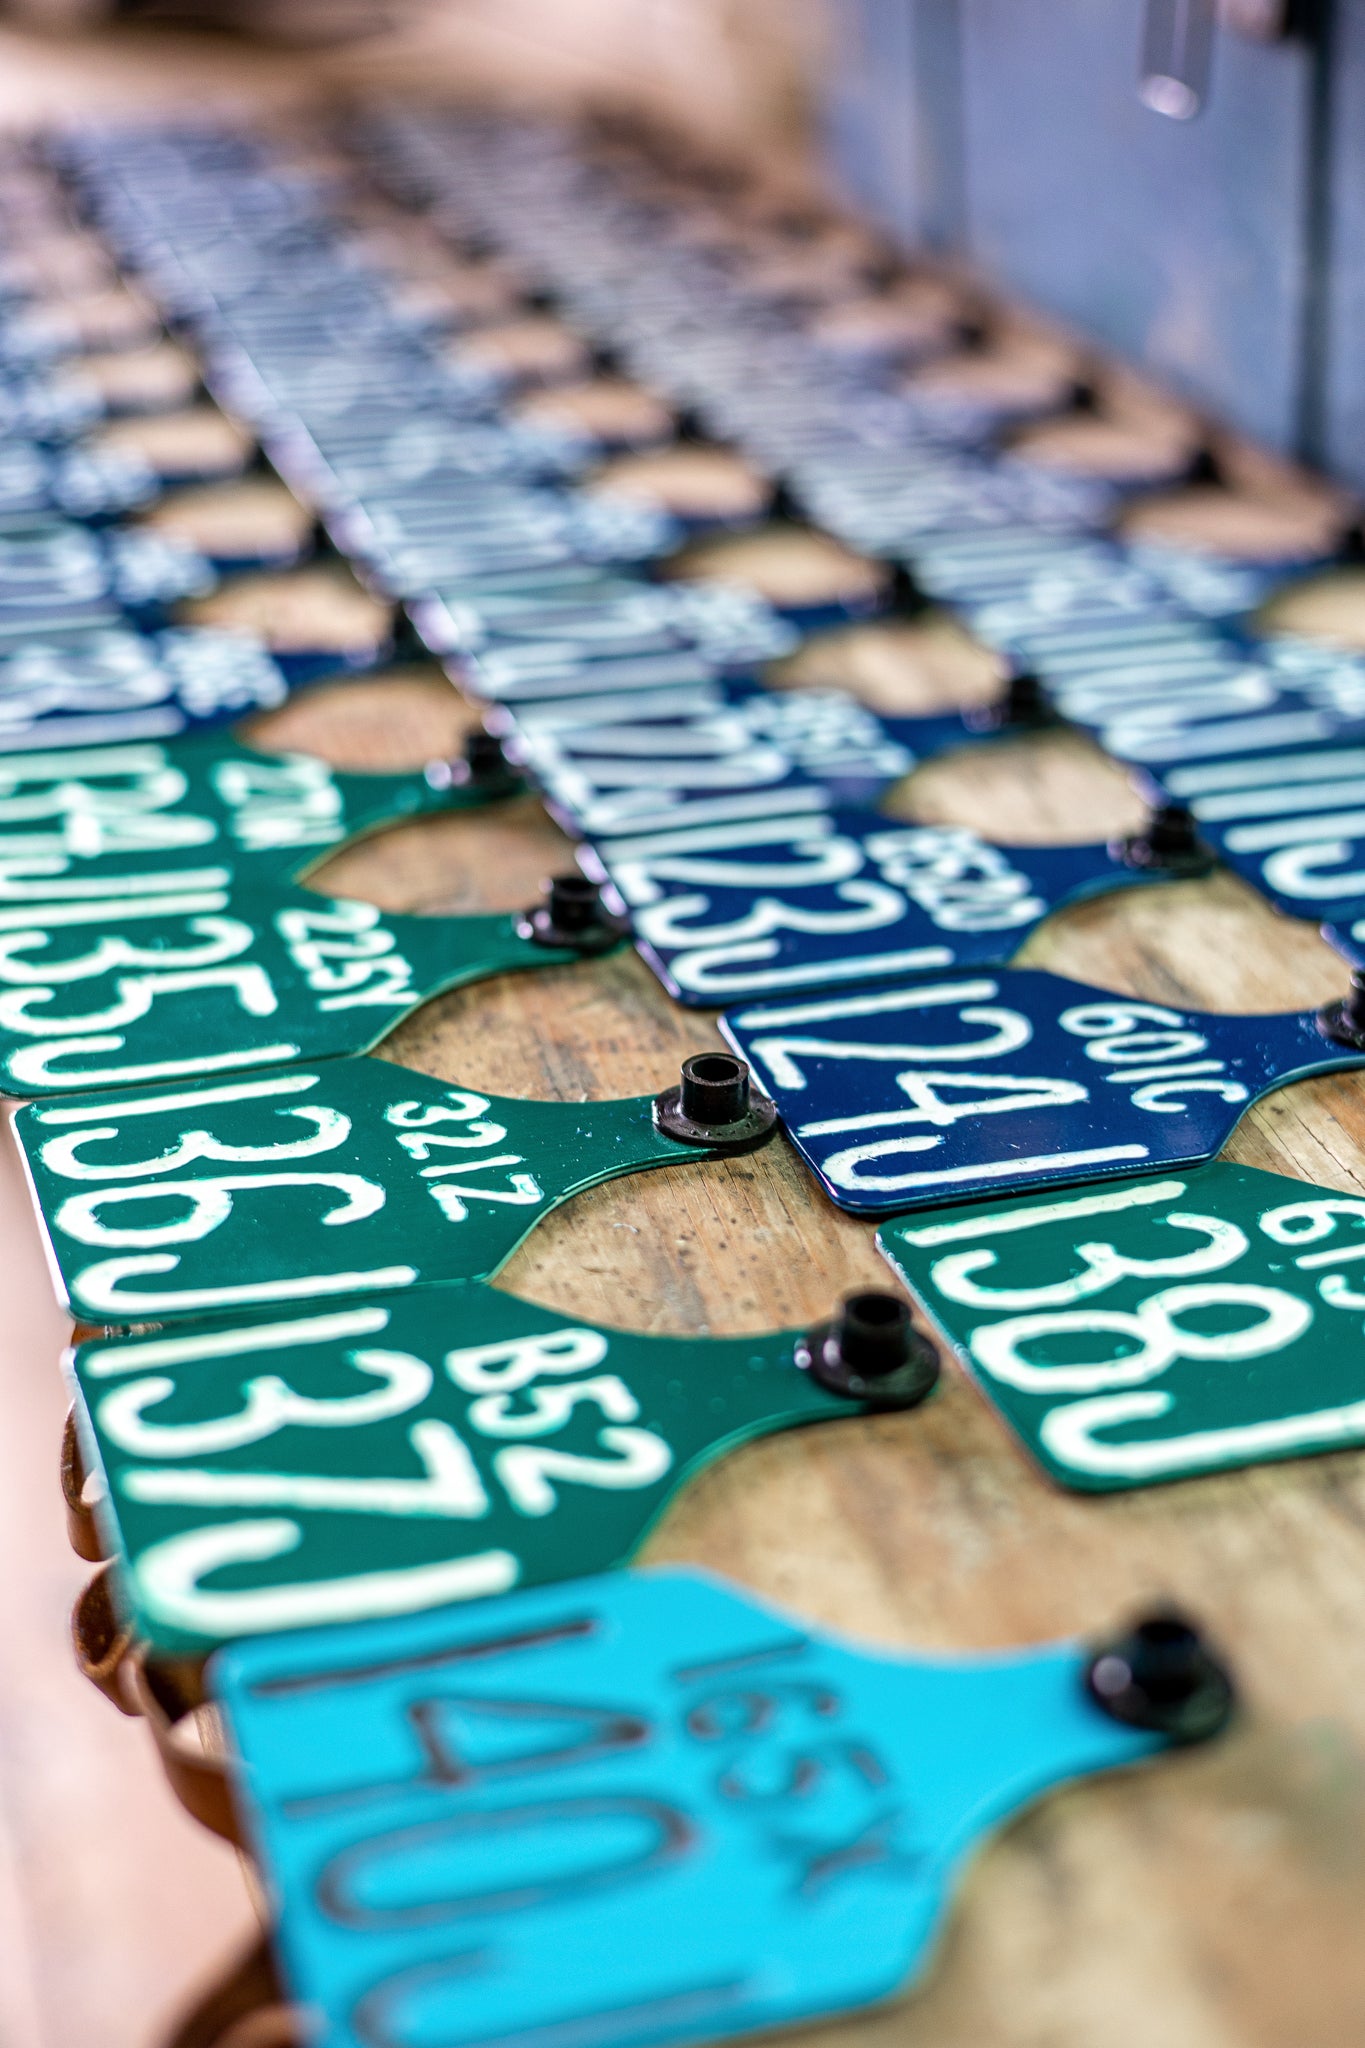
[[1213, 1902]]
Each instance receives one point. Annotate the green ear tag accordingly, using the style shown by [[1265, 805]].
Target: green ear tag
[[404, 1452], [1159, 1329], [185, 974], [297, 1183], [114, 812]]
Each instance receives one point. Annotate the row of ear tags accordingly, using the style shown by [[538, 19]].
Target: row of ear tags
[[1165, 1661], [442, 1795]]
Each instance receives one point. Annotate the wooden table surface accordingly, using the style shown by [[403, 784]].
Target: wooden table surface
[[1214, 1901]]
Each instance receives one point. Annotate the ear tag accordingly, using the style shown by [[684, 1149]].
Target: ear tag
[[1187, 704], [410, 543], [523, 635], [95, 816], [298, 1183], [55, 575], [181, 972], [108, 686], [938, 1090], [1011, 582], [807, 897], [1291, 821], [649, 760], [712, 1818], [1155, 1330], [40, 484], [422, 1449]]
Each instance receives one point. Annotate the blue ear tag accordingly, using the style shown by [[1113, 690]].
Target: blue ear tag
[[660, 759], [1012, 581], [1171, 695], [935, 1091], [417, 541], [1291, 821], [57, 576], [1158, 1329], [589, 638], [40, 484], [809, 897], [42, 407], [646, 1808], [105, 686], [1220, 586]]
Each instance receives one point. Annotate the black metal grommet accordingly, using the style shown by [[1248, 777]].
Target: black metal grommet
[[573, 915], [871, 1352], [1344, 1020], [716, 1104], [1022, 706], [483, 766], [1162, 1675], [1168, 843]]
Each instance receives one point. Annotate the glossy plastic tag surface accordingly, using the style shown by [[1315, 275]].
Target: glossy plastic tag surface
[[298, 1183], [638, 1809], [403, 1451], [813, 897], [184, 972], [1291, 821], [108, 686], [103, 814], [652, 760], [907, 1097], [1159, 1329], [525, 635]]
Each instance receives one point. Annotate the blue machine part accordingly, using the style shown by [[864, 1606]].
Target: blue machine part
[[932, 1091], [642, 1808]]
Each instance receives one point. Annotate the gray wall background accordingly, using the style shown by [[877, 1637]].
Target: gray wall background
[[1226, 253]]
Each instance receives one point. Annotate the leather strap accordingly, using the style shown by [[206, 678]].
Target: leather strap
[[81, 1527], [166, 1697], [244, 2009], [102, 1641]]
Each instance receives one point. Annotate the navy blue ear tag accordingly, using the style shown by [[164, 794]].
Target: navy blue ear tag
[[647, 760], [108, 685], [411, 542], [709, 1818], [534, 636], [807, 897], [1291, 820], [934, 1091], [1175, 698], [85, 483]]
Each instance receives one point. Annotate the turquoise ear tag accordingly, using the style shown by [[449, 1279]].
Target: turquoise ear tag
[[299, 1183], [108, 984], [405, 1451], [1155, 1330], [108, 812], [647, 1808]]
